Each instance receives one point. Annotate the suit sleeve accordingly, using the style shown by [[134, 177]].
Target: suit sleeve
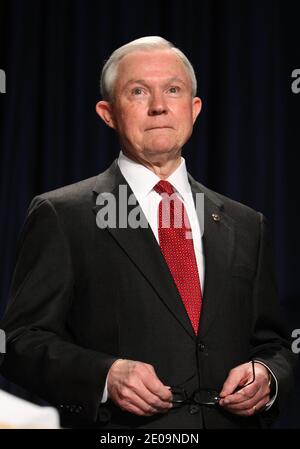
[[270, 342], [40, 353]]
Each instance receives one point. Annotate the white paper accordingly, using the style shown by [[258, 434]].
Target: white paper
[[20, 414]]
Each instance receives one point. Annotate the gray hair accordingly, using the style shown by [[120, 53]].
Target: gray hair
[[148, 43]]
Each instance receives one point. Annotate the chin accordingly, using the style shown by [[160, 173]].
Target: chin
[[160, 151], [161, 146]]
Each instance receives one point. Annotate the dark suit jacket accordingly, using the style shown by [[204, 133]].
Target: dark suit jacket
[[82, 297]]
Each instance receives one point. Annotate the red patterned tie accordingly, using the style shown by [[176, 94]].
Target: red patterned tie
[[176, 244]]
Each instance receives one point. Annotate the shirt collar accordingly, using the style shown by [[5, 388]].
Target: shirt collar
[[142, 180], [179, 180]]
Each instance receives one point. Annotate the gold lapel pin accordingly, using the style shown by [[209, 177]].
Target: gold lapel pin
[[216, 217]]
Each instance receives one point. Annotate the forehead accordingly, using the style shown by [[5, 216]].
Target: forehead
[[147, 65]]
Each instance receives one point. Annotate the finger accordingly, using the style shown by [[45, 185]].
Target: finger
[[132, 408], [155, 386], [255, 391], [133, 403], [237, 377], [159, 390], [130, 379], [250, 411], [137, 389], [229, 386], [247, 405], [247, 396], [242, 395], [148, 388], [154, 400]]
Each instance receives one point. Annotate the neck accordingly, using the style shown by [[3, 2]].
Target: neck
[[161, 166]]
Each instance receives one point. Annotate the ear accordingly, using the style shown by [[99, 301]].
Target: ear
[[105, 111], [197, 105]]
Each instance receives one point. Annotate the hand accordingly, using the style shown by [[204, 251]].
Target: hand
[[250, 399], [134, 387]]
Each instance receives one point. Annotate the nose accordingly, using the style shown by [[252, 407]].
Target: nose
[[157, 104]]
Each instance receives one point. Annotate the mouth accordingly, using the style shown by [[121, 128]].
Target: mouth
[[158, 127]]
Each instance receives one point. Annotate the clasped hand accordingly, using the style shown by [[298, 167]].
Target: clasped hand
[[134, 387], [246, 400]]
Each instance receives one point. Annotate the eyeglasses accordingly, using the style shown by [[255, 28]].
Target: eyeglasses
[[206, 397], [198, 397]]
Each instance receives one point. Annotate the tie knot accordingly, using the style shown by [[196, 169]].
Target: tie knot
[[164, 187]]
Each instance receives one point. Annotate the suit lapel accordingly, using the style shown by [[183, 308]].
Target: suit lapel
[[141, 247], [218, 242]]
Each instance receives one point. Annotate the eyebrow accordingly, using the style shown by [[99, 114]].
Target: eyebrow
[[145, 83]]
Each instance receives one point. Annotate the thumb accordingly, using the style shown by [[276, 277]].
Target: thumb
[[228, 387], [236, 378]]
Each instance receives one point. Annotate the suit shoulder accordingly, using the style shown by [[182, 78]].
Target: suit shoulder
[[71, 195], [239, 210], [236, 210], [77, 194], [73, 201]]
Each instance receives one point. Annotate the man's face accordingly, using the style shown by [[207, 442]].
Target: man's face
[[153, 110]]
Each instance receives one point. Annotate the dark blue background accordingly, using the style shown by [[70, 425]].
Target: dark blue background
[[245, 143]]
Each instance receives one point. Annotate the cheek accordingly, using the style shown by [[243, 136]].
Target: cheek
[[184, 113], [132, 114], [130, 123], [185, 119]]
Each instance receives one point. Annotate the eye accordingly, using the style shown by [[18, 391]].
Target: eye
[[174, 90], [137, 91]]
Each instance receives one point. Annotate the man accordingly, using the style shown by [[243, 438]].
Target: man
[[153, 326]]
